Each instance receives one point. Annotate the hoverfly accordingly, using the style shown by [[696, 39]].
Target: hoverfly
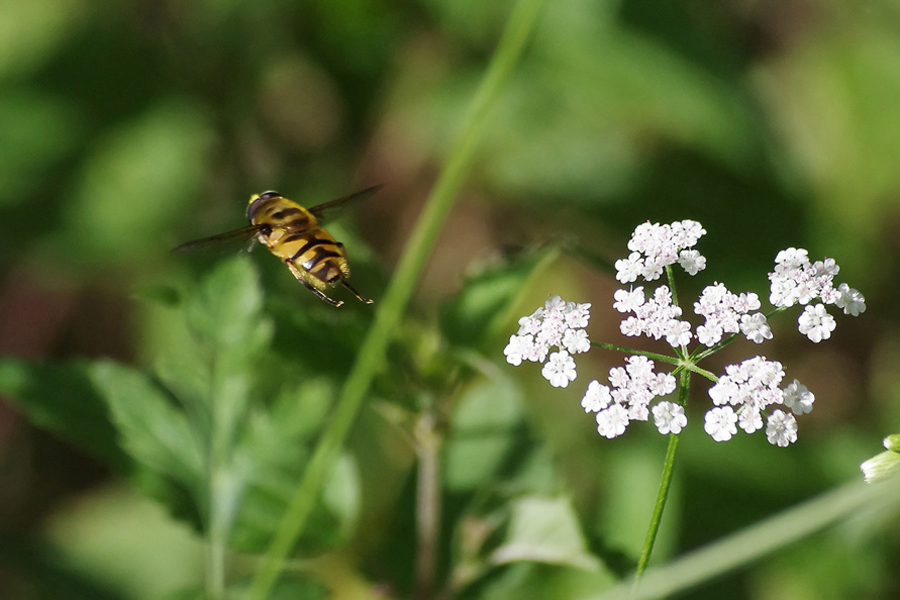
[[293, 234]]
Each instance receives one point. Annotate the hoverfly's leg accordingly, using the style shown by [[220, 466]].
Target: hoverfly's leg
[[355, 293], [299, 276], [321, 295]]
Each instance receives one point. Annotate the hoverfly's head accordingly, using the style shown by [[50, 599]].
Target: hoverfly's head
[[257, 200]]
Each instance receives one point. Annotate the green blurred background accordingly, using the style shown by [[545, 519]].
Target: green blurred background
[[129, 127]]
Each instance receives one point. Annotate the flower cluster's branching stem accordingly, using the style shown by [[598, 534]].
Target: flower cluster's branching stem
[[518, 30], [665, 483], [655, 356], [689, 365]]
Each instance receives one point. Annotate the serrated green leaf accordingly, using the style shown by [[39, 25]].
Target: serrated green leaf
[[151, 428], [64, 400], [545, 530], [478, 314], [272, 457], [226, 312]]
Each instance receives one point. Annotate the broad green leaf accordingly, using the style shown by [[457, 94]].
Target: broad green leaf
[[126, 541], [477, 316], [153, 430], [545, 530], [483, 432], [272, 457], [226, 312], [64, 400]]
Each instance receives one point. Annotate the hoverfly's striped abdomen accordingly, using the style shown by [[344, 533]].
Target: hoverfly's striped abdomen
[[294, 235]]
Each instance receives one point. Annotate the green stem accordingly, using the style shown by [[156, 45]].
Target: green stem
[[391, 308], [662, 357], [690, 366], [760, 539], [664, 484], [428, 502]]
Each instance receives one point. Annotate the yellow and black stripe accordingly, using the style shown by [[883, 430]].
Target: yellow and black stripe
[[293, 234]]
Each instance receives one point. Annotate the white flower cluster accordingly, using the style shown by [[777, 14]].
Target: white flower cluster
[[654, 247], [726, 312], [634, 387], [655, 317], [796, 280], [746, 392], [748, 396], [559, 324]]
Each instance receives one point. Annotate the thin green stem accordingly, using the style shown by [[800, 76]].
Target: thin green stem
[[662, 357], [665, 484], [428, 502], [371, 354], [690, 366], [761, 539], [670, 275]]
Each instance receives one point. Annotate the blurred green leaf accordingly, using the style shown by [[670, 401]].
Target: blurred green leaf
[[255, 412], [65, 400], [482, 434], [271, 458], [125, 541], [226, 313], [477, 316], [545, 530], [30, 32], [36, 132], [151, 427], [138, 181]]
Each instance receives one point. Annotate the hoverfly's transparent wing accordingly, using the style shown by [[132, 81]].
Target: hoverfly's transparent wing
[[223, 241], [330, 207]]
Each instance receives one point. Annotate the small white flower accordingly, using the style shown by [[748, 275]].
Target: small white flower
[[576, 341], [709, 336], [815, 323], [781, 428], [756, 328], [750, 419], [798, 398], [632, 327], [669, 417], [628, 269], [628, 300], [577, 314], [559, 369], [531, 324], [517, 348], [679, 333], [611, 422], [691, 261], [639, 367], [653, 268], [720, 422], [850, 300], [596, 398]]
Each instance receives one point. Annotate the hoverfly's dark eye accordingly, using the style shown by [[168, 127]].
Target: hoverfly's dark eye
[[269, 194]]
